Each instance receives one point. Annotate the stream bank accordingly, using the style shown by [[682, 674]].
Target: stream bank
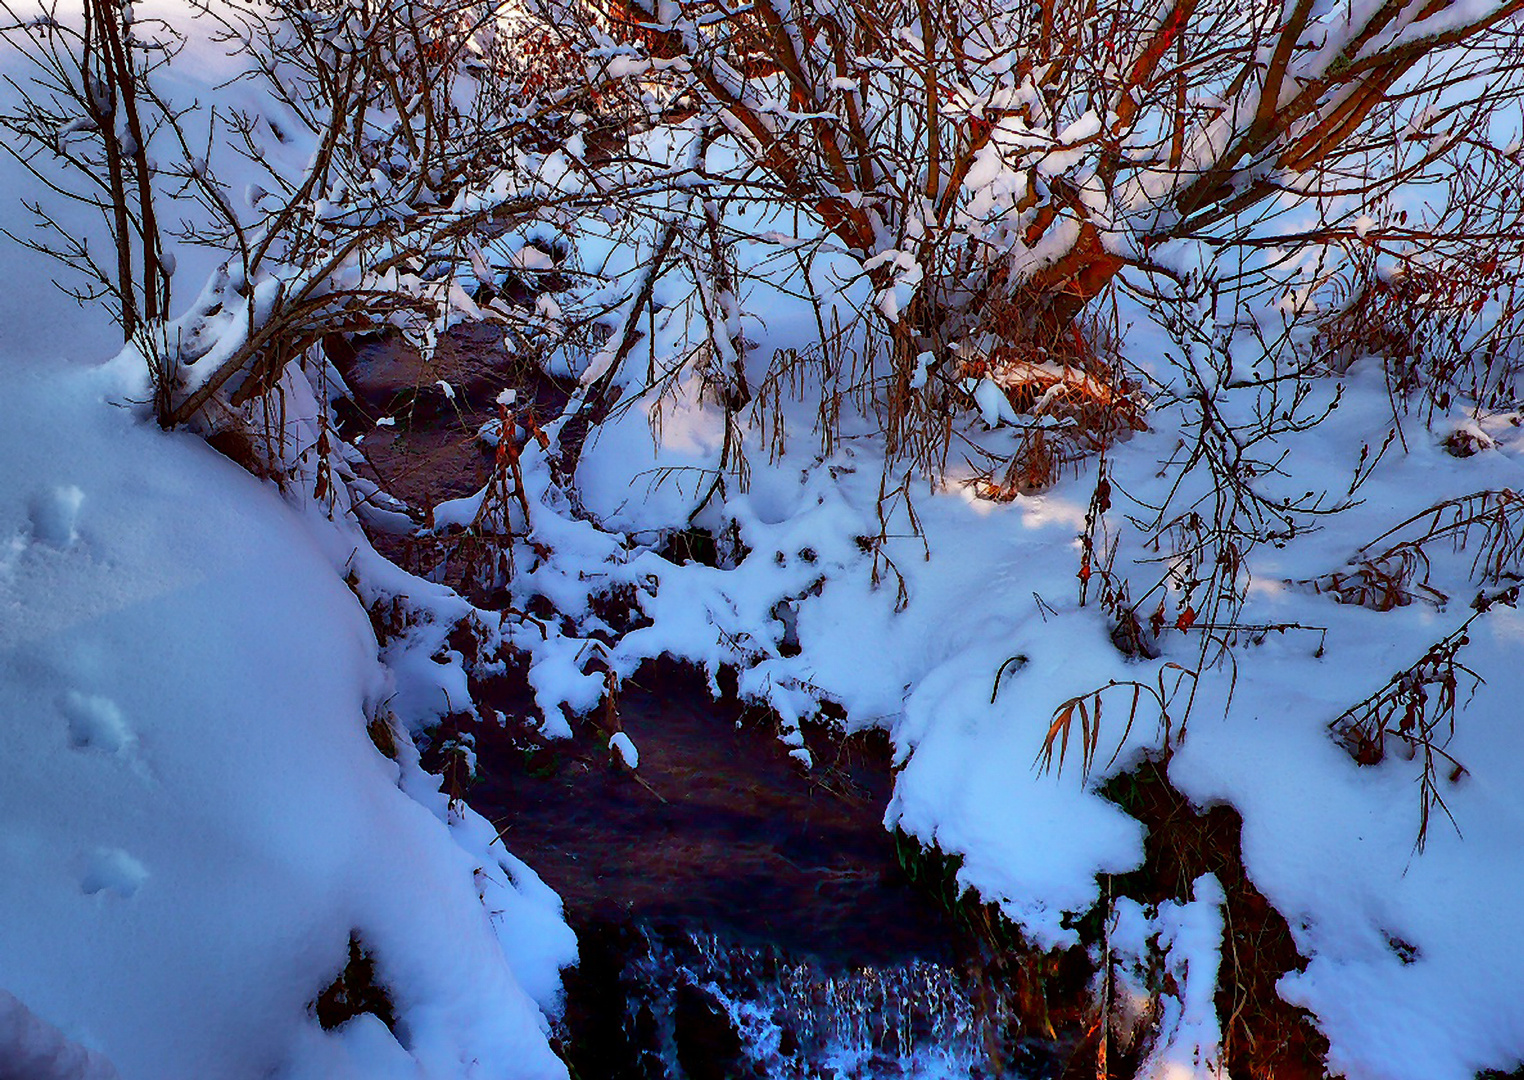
[[738, 916]]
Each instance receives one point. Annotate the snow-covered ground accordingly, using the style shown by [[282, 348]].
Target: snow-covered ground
[[963, 634], [194, 818], [196, 813], [1410, 954]]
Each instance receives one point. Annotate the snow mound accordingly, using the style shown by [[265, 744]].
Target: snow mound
[[193, 819]]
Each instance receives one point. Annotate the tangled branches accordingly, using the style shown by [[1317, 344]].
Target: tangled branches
[[1383, 578]]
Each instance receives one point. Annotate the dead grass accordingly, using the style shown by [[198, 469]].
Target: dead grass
[[1415, 711], [1073, 388], [1380, 316], [1394, 569], [1157, 697], [1447, 331]]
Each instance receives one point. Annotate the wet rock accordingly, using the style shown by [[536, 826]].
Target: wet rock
[[708, 1044]]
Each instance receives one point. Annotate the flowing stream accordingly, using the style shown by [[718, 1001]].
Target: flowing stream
[[790, 942], [692, 1005]]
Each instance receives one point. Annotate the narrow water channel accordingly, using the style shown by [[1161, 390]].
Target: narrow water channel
[[736, 916], [694, 1005]]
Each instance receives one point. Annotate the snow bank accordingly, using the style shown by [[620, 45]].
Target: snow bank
[[905, 622], [193, 819]]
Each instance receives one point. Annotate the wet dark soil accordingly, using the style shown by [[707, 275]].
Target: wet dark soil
[[718, 829], [1263, 1035]]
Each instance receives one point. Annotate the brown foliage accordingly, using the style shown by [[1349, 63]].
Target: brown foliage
[[1416, 710], [1381, 577]]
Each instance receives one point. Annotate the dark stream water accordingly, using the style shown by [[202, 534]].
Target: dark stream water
[[694, 1005], [736, 917]]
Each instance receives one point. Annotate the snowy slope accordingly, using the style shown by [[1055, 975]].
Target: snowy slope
[[193, 819]]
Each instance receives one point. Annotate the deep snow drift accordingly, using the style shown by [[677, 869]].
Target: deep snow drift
[[193, 819]]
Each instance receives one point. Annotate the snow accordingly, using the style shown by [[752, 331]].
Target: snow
[[192, 817], [55, 516], [1190, 936], [1032, 843], [95, 721], [994, 406], [622, 745], [911, 641], [36, 1050], [1342, 866]]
